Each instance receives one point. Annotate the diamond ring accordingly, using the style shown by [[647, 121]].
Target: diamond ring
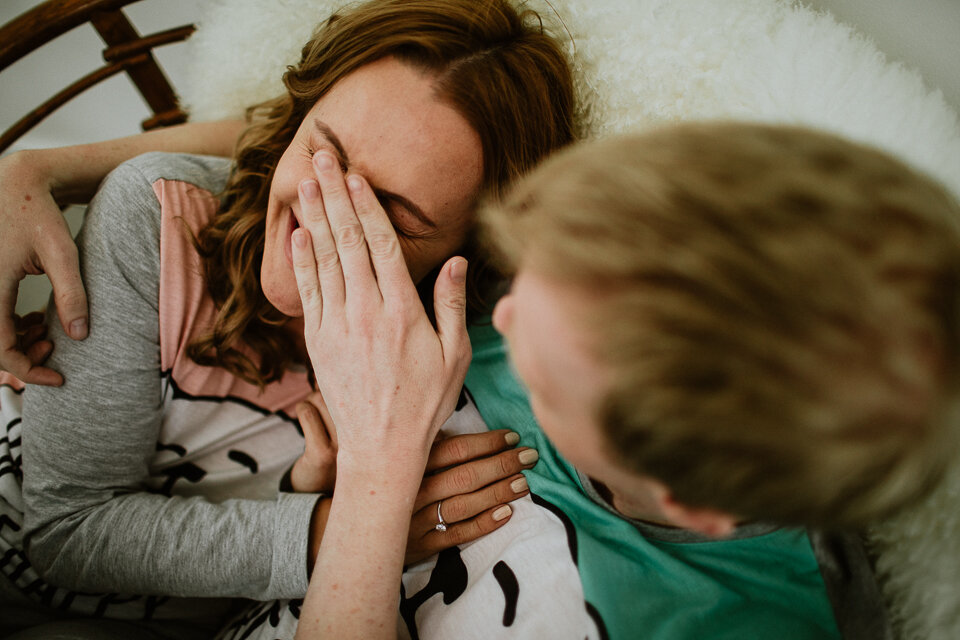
[[441, 526]]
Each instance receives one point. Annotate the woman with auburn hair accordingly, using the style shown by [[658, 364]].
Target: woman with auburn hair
[[153, 470]]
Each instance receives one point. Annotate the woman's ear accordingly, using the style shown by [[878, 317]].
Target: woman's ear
[[710, 522]]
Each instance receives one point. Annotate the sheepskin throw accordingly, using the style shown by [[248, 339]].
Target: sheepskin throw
[[644, 62]]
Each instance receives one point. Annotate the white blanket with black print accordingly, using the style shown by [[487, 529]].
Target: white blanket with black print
[[519, 581]]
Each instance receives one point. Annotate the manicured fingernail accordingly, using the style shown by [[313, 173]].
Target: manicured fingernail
[[528, 456], [518, 485], [502, 513], [458, 270], [299, 238], [512, 437], [324, 161], [310, 189], [355, 183], [78, 329]]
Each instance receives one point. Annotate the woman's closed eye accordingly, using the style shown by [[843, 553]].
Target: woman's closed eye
[[403, 222]]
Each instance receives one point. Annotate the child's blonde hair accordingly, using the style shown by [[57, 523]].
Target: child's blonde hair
[[779, 309]]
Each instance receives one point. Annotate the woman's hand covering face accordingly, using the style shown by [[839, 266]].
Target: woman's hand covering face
[[389, 380], [388, 377]]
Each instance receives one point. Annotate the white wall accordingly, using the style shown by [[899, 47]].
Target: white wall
[[922, 34]]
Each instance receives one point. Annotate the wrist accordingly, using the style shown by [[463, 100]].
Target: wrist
[[375, 466], [34, 165]]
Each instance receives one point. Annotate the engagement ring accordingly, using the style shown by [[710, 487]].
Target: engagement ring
[[441, 526]]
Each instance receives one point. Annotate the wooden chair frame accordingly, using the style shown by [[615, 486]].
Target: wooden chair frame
[[126, 51]]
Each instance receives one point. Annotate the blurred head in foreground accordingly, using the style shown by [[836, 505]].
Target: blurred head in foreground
[[722, 322]]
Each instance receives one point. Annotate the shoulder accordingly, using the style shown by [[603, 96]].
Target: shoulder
[[138, 174], [206, 172], [127, 207]]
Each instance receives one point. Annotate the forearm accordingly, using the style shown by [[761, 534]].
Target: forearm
[[355, 585], [73, 174], [151, 544]]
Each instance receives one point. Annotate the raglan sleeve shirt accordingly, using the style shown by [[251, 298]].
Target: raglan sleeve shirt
[[90, 522]]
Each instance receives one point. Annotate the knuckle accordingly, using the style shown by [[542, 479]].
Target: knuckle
[[302, 261], [18, 367], [473, 530], [503, 494], [456, 303], [313, 218], [429, 488], [383, 245], [324, 456], [56, 241], [328, 261], [457, 449], [309, 294], [504, 466], [464, 478], [460, 534], [306, 415], [70, 298], [350, 236], [313, 213], [453, 510]]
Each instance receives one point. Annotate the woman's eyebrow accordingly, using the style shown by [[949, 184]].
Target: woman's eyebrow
[[324, 130]]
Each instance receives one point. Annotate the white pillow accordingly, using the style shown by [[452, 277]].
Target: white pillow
[[644, 62]]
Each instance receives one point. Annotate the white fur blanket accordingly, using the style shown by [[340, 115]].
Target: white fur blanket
[[643, 62]]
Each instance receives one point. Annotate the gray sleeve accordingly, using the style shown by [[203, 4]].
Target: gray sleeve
[[90, 524]]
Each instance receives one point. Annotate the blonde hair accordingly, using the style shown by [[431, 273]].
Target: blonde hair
[[496, 66], [778, 310]]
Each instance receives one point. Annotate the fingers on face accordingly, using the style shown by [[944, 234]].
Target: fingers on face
[[316, 264], [345, 226], [383, 247], [355, 245], [308, 284], [450, 305]]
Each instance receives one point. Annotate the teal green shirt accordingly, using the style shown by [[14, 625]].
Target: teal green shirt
[[761, 586]]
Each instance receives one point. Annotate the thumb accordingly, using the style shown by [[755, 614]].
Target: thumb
[[59, 259], [450, 307]]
